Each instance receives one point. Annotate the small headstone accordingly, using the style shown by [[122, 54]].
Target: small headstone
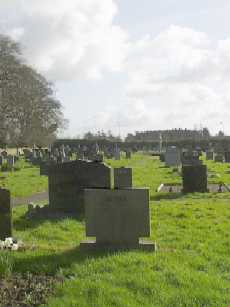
[[227, 156], [172, 156], [209, 155], [219, 157], [128, 154], [5, 214], [122, 177]]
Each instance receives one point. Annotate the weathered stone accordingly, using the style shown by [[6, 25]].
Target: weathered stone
[[172, 156], [191, 158], [194, 178], [128, 154], [5, 214], [219, 158], [209, 155], [122, 177], [117, 218], [227, 156], [67, 182]]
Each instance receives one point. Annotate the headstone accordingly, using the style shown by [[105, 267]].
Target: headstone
[[117, 153], [67, 182], [5, 214], [194, 178], [4, 154], [162, 157], [117, 218], [227, 156], [209, 155], [10, 161], [172, 156], [128, 154], [122, 177], [219, 157], [191, 158]]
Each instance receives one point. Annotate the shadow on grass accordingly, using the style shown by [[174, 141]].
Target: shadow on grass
[[53, 262], [25, 221], [172, 195]]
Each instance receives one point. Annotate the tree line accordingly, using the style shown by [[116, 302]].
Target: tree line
[[29, 112]]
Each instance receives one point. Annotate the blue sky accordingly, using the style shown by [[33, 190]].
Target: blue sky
[[127, 65]]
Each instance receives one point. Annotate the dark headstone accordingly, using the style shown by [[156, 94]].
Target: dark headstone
[[194, 178], [5, 214], [122, 177], [227, 156], [67, 182]]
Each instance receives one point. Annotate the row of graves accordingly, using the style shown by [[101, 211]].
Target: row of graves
[[94, 153], [58, 155], [115, 212], [218, 155], [7, 161], [194, 173]]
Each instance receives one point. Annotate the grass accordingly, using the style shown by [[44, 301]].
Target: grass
[[24, 182], [190, 268]]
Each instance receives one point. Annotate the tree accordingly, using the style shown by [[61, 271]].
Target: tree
[[29, 112]]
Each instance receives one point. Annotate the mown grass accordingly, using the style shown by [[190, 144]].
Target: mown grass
[[25, 181], [190, 268]]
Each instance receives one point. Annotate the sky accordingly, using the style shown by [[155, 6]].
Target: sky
[[129, 65]]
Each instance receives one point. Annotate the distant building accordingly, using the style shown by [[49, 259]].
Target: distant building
[[168, 135]]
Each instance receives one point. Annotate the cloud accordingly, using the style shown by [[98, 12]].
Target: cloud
[[181, 78], [66, 39]]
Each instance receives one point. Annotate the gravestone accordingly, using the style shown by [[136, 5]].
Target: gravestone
[[191, 158], [172, 156], [67, 182], [117, 153], [122, 177], [162, 157], [209, 155], [5, 214], [227, 156], [219, 157], [128, 154], [117, 218], [194, 178], [4, 154], [10, 161]]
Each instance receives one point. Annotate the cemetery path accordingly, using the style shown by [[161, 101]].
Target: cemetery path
[[42, 196]]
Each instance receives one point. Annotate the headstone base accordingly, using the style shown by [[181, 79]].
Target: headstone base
[[92, 245]]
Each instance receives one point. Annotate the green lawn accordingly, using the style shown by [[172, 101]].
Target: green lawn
[[25, 181], [190, 268]]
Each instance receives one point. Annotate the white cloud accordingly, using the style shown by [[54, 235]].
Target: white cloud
[[66, 39], [181, 78]]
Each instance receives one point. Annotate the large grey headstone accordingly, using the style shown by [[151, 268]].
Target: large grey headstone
[[117, 218], [5, 214], [68, 180]]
